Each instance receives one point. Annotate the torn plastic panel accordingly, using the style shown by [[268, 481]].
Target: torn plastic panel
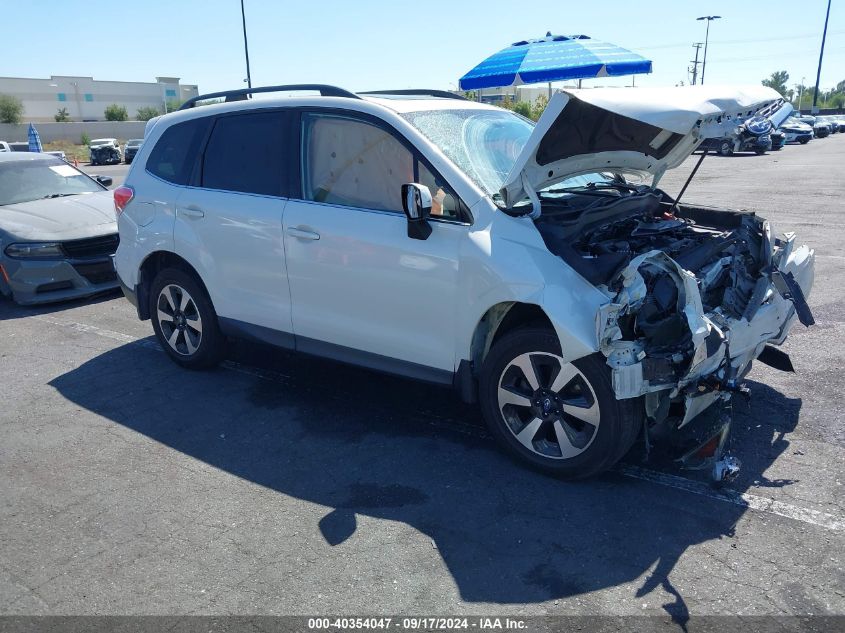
[[694, 297]]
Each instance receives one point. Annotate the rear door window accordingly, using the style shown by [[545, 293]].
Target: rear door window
[[245, 153], [174, 155]]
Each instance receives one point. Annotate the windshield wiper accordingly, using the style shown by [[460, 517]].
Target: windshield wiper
[[594, 186], [60, 195]]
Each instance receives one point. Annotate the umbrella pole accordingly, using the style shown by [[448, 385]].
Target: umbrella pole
[[550, 91]]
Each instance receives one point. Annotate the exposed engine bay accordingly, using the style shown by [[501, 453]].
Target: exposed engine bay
[[696, 293]]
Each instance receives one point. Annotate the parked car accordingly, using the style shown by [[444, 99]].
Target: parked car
[[796, 131], [419, 233], [836, 122], [839, 119], [4, 147], [727, 146], [57, 230], [754, 131], [104, 151], [834, 128], [131, 148], [820, 128]]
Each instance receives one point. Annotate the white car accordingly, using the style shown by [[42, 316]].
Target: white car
[[457, 243], [104, 151]]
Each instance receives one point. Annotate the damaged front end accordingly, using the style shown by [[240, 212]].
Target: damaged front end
[[683, 330], [696, 294]]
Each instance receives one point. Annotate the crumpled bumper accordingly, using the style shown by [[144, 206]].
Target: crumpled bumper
[[722, 347]]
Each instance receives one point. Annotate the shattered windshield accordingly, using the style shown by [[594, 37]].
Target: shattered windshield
[[483, 143]]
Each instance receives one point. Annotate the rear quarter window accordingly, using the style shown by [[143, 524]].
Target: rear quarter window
[[174, 154], [245, 154]]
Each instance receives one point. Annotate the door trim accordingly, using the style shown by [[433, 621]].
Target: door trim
[[373, 361], [332, 351]]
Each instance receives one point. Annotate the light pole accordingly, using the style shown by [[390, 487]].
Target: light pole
[[815, 108], [246, 47], [709, 19], [800, 94]]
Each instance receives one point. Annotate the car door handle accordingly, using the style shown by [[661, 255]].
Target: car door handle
[[191, 211], [303, 234]]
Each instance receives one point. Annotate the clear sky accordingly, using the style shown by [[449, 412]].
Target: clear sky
[[371, 44]]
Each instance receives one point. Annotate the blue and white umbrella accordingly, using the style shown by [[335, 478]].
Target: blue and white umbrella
[[34, 139], [553, 58]]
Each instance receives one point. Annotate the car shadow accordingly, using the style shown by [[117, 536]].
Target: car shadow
[[365, 444], [10, 310]]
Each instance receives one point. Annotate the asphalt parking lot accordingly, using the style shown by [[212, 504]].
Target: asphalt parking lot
[[287, 485]]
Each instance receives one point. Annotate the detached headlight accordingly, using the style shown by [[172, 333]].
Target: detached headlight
[[35, 250]]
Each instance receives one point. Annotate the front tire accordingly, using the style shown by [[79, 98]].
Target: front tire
[[726, 148], [184, 320], [558, 417]]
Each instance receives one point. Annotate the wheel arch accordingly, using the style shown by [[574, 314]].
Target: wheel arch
[[151, 266], [498, 320]]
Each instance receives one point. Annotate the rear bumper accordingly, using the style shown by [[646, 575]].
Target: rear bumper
[[33, 282], [129, 293], [137, 296]]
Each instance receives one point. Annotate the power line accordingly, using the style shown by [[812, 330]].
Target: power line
[[743, 41]]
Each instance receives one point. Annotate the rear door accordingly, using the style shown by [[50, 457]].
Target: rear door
[[229, 223]]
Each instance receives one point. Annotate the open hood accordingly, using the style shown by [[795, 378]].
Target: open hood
[[643, 130]]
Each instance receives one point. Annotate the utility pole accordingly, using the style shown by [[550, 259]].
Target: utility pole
[[815, 109], [246, 47], [709, 19], [697, 46], [800, 94]]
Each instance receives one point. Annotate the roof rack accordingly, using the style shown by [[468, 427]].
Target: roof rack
[[442, 94], [242, 94]]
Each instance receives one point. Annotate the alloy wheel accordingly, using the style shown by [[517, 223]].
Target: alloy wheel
[[179, 319], [548, 405]]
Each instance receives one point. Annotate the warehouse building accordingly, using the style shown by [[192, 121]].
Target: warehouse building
[[85, 99]]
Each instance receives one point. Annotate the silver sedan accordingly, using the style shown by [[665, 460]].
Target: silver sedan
[[58, 230]]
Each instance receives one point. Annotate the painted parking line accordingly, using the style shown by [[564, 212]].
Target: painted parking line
[[746, 500], [743, 499]]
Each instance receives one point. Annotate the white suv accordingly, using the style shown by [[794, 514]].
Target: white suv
[[425, 235]]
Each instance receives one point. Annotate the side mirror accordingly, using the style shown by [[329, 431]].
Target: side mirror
[[416, 201], [106, 181]]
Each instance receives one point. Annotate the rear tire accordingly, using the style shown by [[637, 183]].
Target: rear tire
[[726, 148], [564, 419], [184, 320]]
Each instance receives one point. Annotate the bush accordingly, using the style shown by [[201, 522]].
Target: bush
[[61, 116], [539, 107], [523, 108], [116, 112], [11, 109], [174, 104], [85, 140], [146, 113]]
